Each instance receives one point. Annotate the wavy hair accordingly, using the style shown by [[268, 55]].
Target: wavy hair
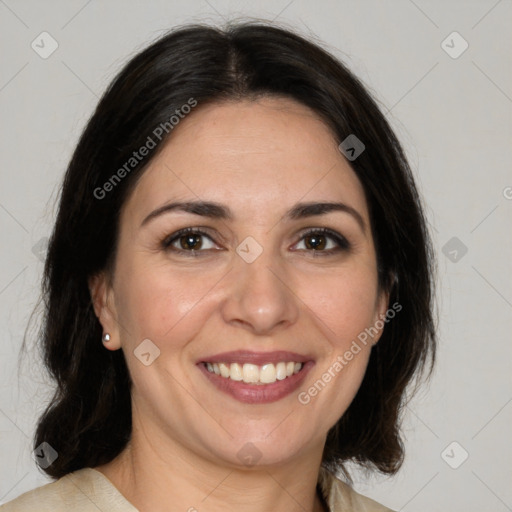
[[89, 421]]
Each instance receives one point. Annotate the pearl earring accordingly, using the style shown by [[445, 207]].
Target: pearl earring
[[106, 337]]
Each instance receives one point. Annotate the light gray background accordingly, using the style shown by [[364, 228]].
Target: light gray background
[[454, 118]]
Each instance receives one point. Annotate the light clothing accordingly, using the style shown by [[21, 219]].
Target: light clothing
[[342, 498], [88, 490]]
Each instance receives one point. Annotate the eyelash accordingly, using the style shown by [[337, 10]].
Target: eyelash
[[341, 241]]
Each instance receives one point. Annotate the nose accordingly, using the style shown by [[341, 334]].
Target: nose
[[259, 296]]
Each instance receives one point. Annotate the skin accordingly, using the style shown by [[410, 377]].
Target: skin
[[259, 158]]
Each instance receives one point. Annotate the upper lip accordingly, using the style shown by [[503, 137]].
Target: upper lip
[[258, 358]]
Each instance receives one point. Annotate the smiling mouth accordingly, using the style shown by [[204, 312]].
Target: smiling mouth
[[256, 377], [255, 374]]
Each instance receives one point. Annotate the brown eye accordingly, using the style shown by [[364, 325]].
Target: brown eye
[[323, 241], [315, 242], [190, 242]]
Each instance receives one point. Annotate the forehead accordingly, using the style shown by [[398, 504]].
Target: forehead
[[266, 153]]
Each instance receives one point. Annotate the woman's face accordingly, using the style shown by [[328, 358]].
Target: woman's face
[[261, 291]]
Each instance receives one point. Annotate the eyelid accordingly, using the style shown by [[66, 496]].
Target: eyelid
[[340, 240], [342, 244], [199, 230]]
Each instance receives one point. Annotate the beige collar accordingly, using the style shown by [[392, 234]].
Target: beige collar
[[340, 497]]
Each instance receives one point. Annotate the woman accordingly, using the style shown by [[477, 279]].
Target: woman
[[238, 286]]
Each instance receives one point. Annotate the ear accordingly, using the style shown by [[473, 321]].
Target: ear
[[103, 300], [381, 308]]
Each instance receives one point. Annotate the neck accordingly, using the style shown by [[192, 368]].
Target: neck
[[153, 472]]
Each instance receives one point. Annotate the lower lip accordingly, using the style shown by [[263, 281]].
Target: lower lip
[[258, 393]]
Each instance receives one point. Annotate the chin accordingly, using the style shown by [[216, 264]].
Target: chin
[[254, 447]]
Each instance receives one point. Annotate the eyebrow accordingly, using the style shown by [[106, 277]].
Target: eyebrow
[[218, 211]]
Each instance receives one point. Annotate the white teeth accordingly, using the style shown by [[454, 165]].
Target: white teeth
[[251, 373], [254, 374], [235, 371], [224, 369], [268, 373], [281, 371]]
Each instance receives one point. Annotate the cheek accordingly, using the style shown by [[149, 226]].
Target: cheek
[[154, 301], [345, 307], [345, 302]]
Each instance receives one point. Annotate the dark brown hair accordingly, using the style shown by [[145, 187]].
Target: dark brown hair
[[88, 421]]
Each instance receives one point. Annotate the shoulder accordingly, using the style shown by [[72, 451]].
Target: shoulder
[[81, 491], [342, 498]]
